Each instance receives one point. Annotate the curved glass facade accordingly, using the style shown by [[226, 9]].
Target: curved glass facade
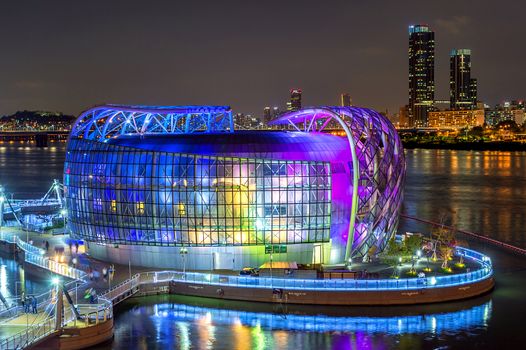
[[127, 195], [180, 176], [379, 166]]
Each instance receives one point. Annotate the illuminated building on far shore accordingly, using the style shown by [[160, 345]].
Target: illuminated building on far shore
[[267, 115], [295, 100], [421, 74], [462, 88], [456, 119], [345, 100]]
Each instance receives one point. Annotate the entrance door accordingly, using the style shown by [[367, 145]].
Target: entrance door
[[223, 261], [317, 257]]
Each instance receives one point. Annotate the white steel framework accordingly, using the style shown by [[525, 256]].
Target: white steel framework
[[103, 122]]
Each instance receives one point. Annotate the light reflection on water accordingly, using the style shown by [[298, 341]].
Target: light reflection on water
[[13, 280], [186, 322], [485, 190], [457, 321]]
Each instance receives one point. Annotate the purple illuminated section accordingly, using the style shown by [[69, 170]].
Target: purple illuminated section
[[381, 168], [197, 133]]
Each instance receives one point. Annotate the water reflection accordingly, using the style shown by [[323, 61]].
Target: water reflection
[[206, 318], [484, 192], [13, 280], [186, 322]]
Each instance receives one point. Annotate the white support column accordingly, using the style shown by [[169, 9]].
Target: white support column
[[329, 114], [355, 180], [2, 201], [59, 307]]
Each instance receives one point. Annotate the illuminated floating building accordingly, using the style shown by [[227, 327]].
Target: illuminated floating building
[[142, 182]]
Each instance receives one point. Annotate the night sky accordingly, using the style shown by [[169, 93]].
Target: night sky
[[69, 55]]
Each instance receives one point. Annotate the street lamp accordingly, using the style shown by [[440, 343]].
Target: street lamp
[[2, 200], [64, 212], [16, 290], [77, 284], [271, 266], [184, 251]]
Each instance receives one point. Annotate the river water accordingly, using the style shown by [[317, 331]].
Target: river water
[[482, 192]]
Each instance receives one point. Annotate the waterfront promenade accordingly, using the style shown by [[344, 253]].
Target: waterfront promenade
[[80, 318], [383, 288]]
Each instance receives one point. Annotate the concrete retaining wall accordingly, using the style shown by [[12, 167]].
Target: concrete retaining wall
[[331, 297]]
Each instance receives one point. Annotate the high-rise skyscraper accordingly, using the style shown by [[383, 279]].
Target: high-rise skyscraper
[[421, 73], [295, 100], [462, 89], [275, 112], [473, 92], [345, 100], [267, 116]]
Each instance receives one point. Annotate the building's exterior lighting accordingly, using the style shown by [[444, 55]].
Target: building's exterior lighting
[[184, 178]]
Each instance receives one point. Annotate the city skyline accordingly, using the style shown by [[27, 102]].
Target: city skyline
[[262, 175], [249, 61]]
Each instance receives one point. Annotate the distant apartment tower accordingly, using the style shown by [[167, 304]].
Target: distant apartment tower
[[403, 117], [456, 119], [462, 89], [473, 92], [345, 100], [295, 100], [421, 73], [267, 115], [275, 112]]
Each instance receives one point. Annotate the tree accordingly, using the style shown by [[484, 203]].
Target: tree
[[508, 124], [477, 131], [412, 244]]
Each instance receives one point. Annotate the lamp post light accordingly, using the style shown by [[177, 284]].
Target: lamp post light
[[418, 255], [59, 306], [184, 251], [16, 291], [271, 281], [77, 284], [64, 212], [26, 221], [2, 200]]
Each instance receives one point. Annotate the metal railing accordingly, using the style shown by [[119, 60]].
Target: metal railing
[[91, 314], [35, 256], [475, 235], [29, 336], [483, 272], [122, 288]]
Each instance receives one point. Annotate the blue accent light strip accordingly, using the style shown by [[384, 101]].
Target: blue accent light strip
[[481, 274]]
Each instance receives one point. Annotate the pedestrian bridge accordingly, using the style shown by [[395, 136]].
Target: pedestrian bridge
[[13, 209], [29, 329]]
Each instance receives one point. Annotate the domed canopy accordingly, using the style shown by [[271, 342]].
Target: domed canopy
[[279, 145]]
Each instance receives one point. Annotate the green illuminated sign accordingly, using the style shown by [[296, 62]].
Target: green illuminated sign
[[275, 249]]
